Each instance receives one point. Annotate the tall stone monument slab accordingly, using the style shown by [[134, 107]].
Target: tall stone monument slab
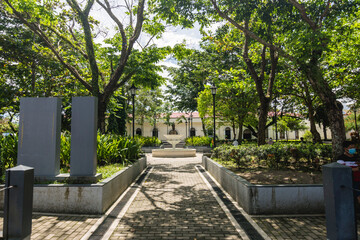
[[83, 158], [39, 135]]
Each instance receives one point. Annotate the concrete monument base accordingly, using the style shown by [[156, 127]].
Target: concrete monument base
[[174, 152], [66, 177]]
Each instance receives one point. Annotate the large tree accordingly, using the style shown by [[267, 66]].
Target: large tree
[[70, 34], [302, 36]]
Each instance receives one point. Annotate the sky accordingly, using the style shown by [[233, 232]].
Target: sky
[[172, 36], [176, 35]]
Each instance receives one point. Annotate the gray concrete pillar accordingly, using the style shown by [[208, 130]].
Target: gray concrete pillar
[[18, 203], [83, 159], [39, 135], [339, 202]]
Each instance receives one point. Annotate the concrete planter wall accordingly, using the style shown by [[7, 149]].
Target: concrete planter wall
[[201, 149], [149, 149], [83, 198], [268, 199]]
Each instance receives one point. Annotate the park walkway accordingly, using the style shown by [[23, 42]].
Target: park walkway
[[175, 199]]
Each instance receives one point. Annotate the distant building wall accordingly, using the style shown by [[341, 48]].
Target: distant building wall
[[183, 129]]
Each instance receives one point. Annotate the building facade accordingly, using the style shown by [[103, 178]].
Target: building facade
[[192, 126]]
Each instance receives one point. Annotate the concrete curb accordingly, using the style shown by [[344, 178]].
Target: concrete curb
[[84, 198], [268, 199]]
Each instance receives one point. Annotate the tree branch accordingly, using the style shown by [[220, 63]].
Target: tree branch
[[258, 81], [263, 63], [83, 15], [303, 14], [123, 56], [251, 34], [37, 30], [68, 41], [324, 14], [123, 59], [274, 62]]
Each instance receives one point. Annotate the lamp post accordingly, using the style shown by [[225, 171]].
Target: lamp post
[[186, 128], [155, 129], [133, 93], [356, 128], [276, 131], [213, 92], [190, 127]]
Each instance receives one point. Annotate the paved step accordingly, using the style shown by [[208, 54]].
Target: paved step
[[165, 144]]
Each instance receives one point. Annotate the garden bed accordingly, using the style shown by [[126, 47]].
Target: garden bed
[[268, 198], [84, 198], [278, 176], [255, 174]]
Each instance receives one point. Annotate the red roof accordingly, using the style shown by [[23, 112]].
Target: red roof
[[177, 115], [187, 115]]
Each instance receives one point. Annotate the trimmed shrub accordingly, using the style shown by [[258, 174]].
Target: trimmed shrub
[[276, 155], [8, 153], [110, 149], [149, 141], [198, 141]]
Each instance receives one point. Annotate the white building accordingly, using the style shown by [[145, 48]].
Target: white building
[[193, 127]]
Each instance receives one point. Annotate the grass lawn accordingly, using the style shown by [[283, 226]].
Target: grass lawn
[[109, 170]]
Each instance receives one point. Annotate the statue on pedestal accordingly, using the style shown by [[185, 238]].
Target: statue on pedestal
[[173, 131]]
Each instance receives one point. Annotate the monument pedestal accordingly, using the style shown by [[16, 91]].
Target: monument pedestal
[[174, 152], [66, 177]]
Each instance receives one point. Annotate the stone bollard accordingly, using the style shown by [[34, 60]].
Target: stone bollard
[[339, 202], [18, 203]]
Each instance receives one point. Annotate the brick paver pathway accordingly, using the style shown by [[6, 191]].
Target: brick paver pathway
[[56, 227], [175, 203]]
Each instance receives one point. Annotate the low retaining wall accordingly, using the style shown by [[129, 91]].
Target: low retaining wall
[[199, 149], [268, 199], [83, 198]]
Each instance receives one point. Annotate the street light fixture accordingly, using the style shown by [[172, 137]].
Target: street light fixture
[[190, 128], [276, 131], [133, 93], [354, 109], [213, 92]]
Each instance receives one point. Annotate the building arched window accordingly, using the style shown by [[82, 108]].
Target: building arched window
[[138, 132], [247, 134], [192, 132], [227, 133], [155, 132]]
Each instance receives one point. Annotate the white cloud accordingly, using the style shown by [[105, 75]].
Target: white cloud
[[176, 35]]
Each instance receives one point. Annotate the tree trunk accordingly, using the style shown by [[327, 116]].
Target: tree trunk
[[101, 116], [325, 134], [234, 129], [334, 108], [240, 136], [264, 108], [203, 126], [337, 128], [314, 132]]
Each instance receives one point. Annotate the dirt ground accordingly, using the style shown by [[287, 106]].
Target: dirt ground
[[271, 176]]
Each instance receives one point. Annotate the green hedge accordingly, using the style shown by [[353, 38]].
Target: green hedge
[[198, 141], [148, 141], [276, 155], [110, 149], [8, 153]]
